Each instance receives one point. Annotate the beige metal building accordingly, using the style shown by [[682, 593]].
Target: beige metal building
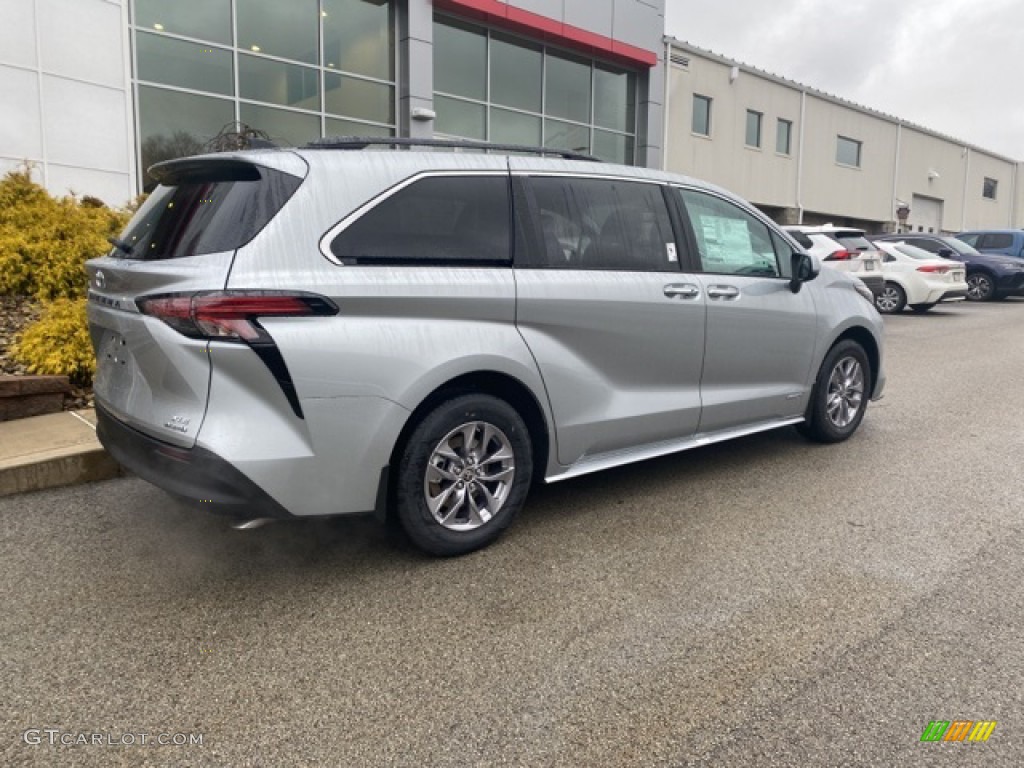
[[804, 156]]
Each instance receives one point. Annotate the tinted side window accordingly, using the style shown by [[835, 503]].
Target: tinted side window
[[729, 240], [969, 239], [996, 240], [436, 220], [604, 224]]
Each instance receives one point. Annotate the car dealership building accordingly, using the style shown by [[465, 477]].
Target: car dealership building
[[94, 91]]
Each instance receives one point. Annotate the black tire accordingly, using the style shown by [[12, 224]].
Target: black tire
[[891, 299], [828, 419], [466, 426], [981, 286], [922, 307]]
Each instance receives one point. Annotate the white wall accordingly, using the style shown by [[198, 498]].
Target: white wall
[[64, 76]]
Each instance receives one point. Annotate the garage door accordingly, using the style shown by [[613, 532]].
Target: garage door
[[925, 215]]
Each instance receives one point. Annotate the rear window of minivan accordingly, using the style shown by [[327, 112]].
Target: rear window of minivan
[[205, 208]]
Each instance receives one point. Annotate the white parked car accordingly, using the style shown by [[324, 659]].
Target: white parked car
[[918, 279], [842, 248]]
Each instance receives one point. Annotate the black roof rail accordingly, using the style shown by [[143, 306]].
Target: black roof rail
[[362, 142]]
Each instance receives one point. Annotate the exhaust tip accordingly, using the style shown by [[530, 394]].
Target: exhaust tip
[[251, 525]]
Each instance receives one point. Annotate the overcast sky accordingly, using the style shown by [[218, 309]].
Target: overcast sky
[[954, 66]]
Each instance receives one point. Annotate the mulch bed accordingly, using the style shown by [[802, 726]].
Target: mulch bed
[[16, 313]]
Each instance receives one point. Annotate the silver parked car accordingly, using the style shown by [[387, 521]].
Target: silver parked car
[[332, 330]]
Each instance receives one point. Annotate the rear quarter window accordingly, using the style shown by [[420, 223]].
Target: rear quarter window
[[462, 220]]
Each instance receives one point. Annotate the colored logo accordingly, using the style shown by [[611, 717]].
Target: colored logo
[[958, 730]]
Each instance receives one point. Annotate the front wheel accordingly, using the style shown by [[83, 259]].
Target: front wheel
[[463, 475], [980, 287], [891, 300], [840, 394]]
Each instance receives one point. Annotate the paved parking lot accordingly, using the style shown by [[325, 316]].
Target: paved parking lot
[[767, 602]]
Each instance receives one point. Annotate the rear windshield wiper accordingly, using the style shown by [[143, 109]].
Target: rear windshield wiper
[[121, 245]]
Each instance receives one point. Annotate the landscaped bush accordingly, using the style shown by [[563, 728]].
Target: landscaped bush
[[44, 244], [45, 241], [58, 343]]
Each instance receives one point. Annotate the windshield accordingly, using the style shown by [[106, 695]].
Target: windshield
[[854, 242], [913, 251], [960, 247], [208, 211]]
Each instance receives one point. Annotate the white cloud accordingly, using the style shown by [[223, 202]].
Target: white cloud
[[950, 65]]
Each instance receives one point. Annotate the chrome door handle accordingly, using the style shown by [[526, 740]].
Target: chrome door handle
[[723, 291], [683, 290]]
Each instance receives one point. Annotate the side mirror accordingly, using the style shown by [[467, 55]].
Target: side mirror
[[946, 253], [803, 269]]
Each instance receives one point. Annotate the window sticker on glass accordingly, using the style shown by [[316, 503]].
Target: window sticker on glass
[[670, 249], [725, 240]]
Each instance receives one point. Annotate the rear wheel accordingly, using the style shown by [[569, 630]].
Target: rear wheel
[[463, 475], [980, 287], [891, 300], [922, 307], [840, 395]]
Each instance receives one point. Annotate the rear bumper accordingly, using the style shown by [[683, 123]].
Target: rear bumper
[[191, 473]]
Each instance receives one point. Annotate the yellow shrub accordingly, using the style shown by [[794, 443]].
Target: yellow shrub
[[45, 242], [58, 343]]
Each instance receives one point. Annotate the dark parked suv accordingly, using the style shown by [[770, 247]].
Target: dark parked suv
[[989, 275], [1008, 242]]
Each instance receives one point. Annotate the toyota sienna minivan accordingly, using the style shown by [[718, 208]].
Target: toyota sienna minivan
[[423, 332]]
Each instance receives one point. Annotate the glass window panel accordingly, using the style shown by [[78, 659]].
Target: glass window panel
[[614, 99], [613, 147], [989, 187], [753, 128], [359, 98], [279, 83], [203, 19], [559, 135], [603, 224], [516, 74], [847, 151], [441, 220], [701, 115], [359, 37], [460, 60], [567, 83], [460, 118], [514, 128], [186, 65], [783, 136], [729, 240], [290, 29], [335, 127], [280, 125], [173, 124]]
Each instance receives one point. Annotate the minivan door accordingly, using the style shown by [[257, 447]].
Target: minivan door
[[616, 328], [760, 335], [180, 242]]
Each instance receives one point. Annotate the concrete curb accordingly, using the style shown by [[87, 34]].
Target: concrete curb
[[50, 451]]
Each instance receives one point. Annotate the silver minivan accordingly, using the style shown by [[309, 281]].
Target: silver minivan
[[424, 332]]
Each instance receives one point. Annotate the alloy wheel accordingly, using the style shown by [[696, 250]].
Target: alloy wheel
[[845, 392], [469, 476]]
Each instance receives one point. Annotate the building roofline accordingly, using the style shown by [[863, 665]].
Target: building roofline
[[824, 96]]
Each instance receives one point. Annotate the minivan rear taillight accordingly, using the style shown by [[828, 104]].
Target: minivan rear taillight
[[231, 315], [234, 316], [840, 255]]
